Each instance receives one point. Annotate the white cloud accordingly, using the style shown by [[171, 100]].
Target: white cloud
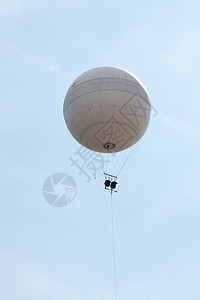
[[11, 6], [19, 7], [183, 55], [15, 50], [180, 125]]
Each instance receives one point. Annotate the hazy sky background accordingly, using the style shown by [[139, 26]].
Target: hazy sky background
[[50, 253]]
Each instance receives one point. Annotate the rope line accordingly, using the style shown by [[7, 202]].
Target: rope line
[[127, 158], [113, 244]]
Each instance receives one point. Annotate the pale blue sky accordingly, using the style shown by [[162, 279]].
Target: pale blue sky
[[66, 253]]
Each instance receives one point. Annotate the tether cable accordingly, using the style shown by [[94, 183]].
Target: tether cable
[[113, 244]]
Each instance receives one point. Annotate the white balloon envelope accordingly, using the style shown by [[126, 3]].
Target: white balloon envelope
[[107, 109]]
